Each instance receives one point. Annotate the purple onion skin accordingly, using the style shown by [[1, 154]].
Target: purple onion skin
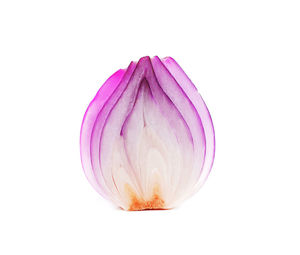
[[147, 138]]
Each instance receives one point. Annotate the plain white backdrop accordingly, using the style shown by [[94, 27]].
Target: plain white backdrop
[[243, 56]]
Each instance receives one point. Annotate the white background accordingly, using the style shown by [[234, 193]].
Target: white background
[[244, 58]]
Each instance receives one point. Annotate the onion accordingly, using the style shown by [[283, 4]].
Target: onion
[[147, 138]]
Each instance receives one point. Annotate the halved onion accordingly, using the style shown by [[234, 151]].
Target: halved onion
[[147, 138]]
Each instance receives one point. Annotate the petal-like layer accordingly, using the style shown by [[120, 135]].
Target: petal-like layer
[[191, 91], [88, 122]]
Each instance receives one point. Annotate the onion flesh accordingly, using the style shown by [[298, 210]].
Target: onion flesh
[[147, 138]]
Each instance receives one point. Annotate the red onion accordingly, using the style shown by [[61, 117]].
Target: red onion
[[147, 138]]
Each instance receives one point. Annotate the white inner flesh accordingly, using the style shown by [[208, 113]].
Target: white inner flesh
[[149, 153]]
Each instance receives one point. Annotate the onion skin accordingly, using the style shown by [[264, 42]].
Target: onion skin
[[147, 139]]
